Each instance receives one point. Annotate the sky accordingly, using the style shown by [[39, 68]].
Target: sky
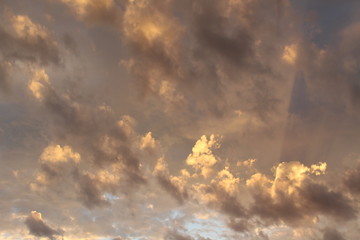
[[179, 119]]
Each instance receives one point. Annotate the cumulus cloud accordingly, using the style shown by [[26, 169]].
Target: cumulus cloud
[[202, 158], [148, 143], [57, 153]]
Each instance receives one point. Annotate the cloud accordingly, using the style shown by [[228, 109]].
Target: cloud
[[292, 196], [70, 43], [290, 53], [174, 185], [105, 145], [37, 84], [148, 143], [221, 193], [39, 228], [328, 202], [202, 158], [352, 180], [95, 11], [238, 225], [91, 132], [4, 75], [24, 40], [332, 234], [56, 153], [90, 192], [175, 235], [104, 140], [221, 38], [210, 21]]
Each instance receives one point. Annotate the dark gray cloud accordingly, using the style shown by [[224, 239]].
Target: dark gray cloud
[[70, 43], [352, 180], [332, 234], [328, 202], [175, 235], [215, 32], [238, 225], [231, 205], [39, 228], [314, 199], [90, 192], [294, 198], [180, 195], [4, 85]]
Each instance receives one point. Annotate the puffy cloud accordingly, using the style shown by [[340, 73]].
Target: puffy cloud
[[148, 143], [226, 181], [246, 163], [27, 29], [39, 228], [202, 158], [37, 84], [56, 153]]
